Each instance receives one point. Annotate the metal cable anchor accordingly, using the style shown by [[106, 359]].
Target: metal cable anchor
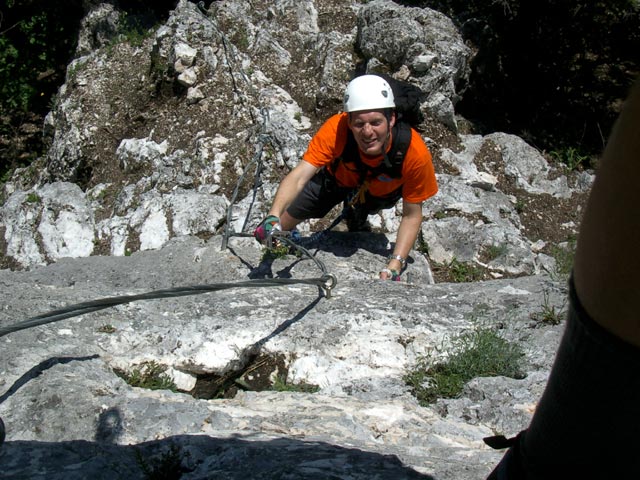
[[330, 281]]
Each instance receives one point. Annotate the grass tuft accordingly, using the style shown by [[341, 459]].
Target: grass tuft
[[477, 353], [280, 385], [564, 255], [548, 315], [150, 375], [168, 466], [461, 272]]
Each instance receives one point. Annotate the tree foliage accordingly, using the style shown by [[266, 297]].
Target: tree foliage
[[37, 42], [37, 39], [552, 71]]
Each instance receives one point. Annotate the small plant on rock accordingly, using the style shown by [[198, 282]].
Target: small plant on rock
[[168, 466], [571, 158], [280, 385], [494, 251], [32, 198], [277, 251], [563, 254], [548, 315], [150, 375], [477, 353], [422, 246], [107, 328], [464, 272]]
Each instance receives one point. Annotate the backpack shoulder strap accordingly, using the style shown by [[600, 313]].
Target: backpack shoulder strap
[[350, 155], [394, 158]]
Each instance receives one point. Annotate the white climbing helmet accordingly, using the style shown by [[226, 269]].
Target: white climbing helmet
[[368, 92]]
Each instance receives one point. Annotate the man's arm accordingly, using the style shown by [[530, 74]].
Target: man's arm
[[407, 234], [288, 190]]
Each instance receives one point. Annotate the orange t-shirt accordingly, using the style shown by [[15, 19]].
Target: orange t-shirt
[[418, 179]]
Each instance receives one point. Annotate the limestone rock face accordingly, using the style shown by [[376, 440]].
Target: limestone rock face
[[63, 402]]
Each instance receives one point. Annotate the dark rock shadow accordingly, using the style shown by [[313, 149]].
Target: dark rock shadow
[[345, 244], [39, 370], [286, 324], [265, 269], [211, 386], [109, 427], [339, 244], [242, 260], [199, 457]]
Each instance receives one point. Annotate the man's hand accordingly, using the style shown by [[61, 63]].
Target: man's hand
[[394, 268], [266, 228], [387, 274]]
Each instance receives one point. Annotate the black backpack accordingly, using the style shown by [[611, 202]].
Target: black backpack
[[407, 98]]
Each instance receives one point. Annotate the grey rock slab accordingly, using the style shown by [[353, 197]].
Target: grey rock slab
[[68, 414]]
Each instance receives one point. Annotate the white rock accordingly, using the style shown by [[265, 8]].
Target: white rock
[[184, 55], [189, 77]]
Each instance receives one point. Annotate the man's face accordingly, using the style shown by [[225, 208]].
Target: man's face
[[371, 130]]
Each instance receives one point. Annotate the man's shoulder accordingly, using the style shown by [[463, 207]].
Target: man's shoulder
[[418, 154], [338, 120], [417, 144], [335, 126], [328, 141]]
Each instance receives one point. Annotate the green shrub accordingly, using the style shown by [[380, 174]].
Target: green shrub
[[150, 375], [36, 42], [477, 353], [37, 38]]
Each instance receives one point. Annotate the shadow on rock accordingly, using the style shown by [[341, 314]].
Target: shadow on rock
[[110, 426], [197, 456], [345, 244], [39, 370], [264, 269]]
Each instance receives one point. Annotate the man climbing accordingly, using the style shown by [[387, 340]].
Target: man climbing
[[366, 158]]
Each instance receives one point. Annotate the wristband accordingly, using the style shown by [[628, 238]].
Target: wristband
[[402, 260]]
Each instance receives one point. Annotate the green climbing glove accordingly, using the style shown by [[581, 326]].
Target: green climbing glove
[[266, 228]]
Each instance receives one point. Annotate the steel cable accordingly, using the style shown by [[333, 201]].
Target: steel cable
[[326, 283]]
